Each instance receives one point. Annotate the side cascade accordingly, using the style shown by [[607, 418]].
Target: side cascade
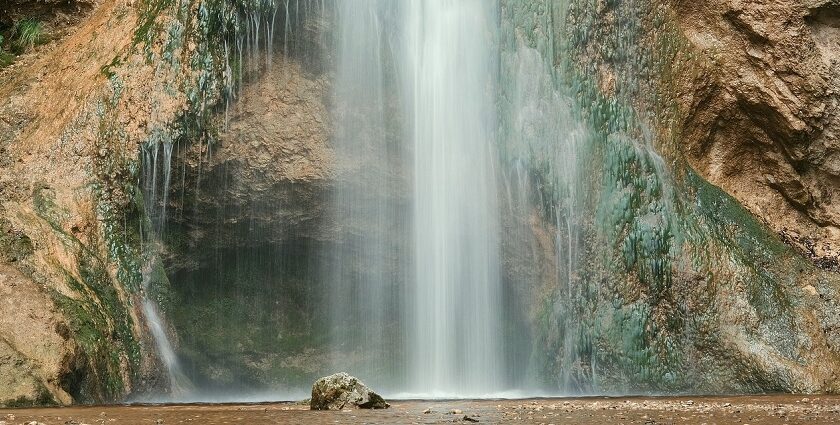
[[363, 280], [157, 173]]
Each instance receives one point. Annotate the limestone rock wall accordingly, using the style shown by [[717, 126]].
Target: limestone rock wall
[[268, 170], [764, 112], [73, 335], [677, 288]]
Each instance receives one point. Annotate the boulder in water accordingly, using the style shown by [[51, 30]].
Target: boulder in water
[[335, 392]]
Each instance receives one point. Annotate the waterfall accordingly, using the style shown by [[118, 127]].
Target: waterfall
[[179, 383], [437, 62], [455, 336], [362, 282], [456, 143]]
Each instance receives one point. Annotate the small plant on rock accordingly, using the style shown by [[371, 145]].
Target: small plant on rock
[[28, 33]]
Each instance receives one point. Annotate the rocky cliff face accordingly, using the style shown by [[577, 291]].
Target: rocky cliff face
[[74, 227], [250, 217], [679, 288], [764, 121], [699, 282], [270, 164], [76, 336]]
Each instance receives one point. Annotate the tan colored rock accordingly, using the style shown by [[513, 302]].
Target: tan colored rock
[[271, 163], [67, 137], [35, 344], [763, 112]]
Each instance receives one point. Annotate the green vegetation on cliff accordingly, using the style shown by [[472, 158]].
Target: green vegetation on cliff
[[686, 290], [27, 34], [98, 313]]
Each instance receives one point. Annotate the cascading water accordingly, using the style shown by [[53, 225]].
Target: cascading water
[[547, 142], [454, 336], [491, 219], [179, 383], [442, 118], [362, 282], [442, 68]]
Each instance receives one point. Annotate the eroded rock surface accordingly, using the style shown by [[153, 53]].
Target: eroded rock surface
[[272, 164], [70, 131], [763, 117], [70, 336], [36, 349]]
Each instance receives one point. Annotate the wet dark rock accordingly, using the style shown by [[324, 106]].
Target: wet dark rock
[[335, 392]]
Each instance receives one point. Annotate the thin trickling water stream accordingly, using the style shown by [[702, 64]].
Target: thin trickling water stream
[[179, 384]]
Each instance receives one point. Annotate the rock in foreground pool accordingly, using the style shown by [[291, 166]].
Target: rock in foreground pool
[[335, 392]]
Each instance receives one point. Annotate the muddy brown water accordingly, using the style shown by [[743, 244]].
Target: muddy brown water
[[754, 410]]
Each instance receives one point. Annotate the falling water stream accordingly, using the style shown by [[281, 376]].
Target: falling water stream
[[414, 279], [454, 340], [438, 60], [360, 280], [179, 384]]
